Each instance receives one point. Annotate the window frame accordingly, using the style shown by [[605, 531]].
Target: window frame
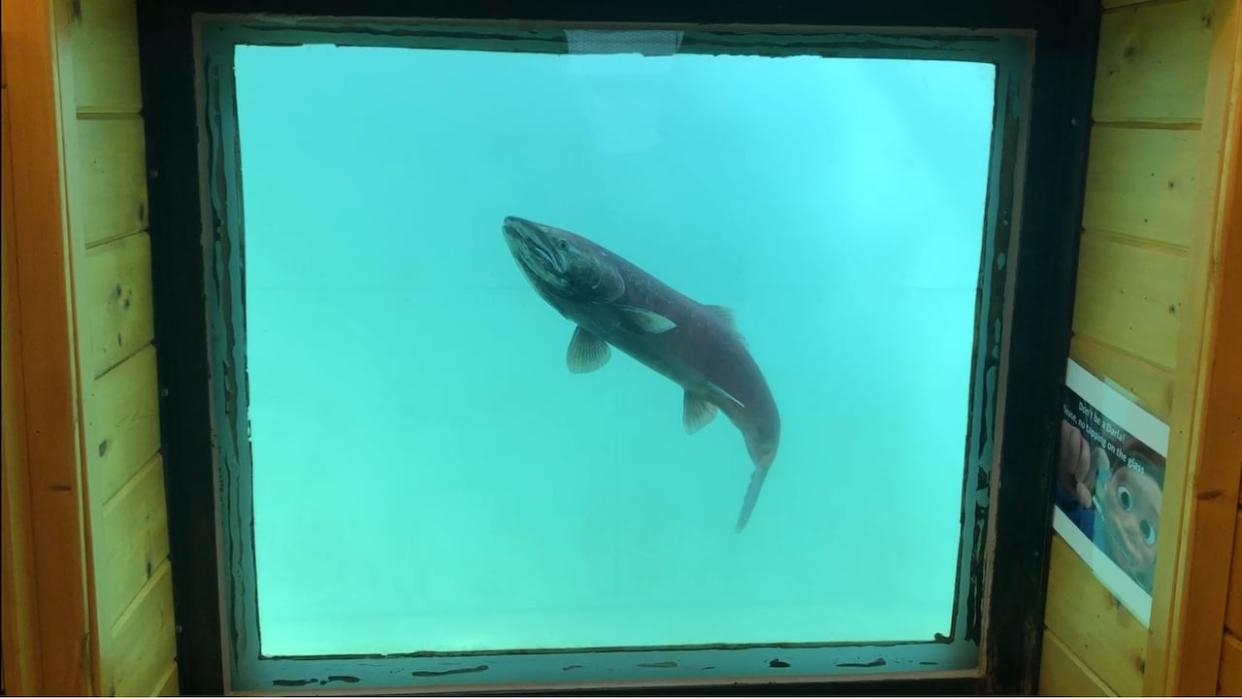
[[976, 623]]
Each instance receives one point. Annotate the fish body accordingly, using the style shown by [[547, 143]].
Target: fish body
[[615, 303]]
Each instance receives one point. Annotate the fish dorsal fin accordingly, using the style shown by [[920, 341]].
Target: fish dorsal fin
[[586, 352], [697, 412], [645, 321], [728, 317], [725, 314]]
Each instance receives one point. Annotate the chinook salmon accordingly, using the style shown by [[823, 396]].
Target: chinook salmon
[[613, 302]]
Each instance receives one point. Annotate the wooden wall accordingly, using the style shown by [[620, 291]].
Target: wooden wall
[[91, 63], [1145, 317]]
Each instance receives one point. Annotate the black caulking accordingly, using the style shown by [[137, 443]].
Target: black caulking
[[456, 671], [294, 683], [878, 662], [777, 662], [662, 664]]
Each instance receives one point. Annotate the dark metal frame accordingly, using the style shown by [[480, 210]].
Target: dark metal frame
[[1039, 296]]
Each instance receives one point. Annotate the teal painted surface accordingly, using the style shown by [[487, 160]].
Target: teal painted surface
[[428, 475]]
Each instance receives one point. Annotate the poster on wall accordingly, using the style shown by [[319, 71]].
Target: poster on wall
[[1110, 479]]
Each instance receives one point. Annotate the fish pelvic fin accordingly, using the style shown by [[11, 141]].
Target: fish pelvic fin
[[697, 412], [586, 352], [752, 496]]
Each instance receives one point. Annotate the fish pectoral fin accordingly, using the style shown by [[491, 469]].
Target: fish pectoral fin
[[697, 412], [728, 317], [586, 352], [642, 320]]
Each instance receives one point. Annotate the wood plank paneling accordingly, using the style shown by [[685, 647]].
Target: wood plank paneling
[[1153, 62], [105, 56], [20, 623], [169, 685], [1233, 609], [49, 354], [1230, 680], [1061, 674], [118, 300], [133, 542], [1141, 182], [123, 430], [1198, 515], [144, 641], [1150, 384], [1093, 625], [111, 184], [1130, 296]]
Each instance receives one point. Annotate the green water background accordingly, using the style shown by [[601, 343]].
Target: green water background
[[427, 473]]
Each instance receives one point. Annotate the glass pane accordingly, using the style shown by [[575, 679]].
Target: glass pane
[[429, 474]]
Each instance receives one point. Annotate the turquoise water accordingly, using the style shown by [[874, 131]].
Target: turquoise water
[[428, 475]]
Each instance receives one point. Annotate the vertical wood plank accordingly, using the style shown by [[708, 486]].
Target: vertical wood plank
[[48, 343], [20, 623], [1153, 62], [1200, 488]]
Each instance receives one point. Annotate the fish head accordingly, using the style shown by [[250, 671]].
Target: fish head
[[563, 263]]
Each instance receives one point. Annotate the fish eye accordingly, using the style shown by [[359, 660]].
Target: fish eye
[[1127, 500], [1148, 532], [562, 244]]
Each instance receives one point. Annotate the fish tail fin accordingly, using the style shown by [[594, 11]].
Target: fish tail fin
[[752, 496]]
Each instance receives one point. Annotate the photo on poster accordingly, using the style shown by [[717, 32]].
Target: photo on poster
[[1110, 481]]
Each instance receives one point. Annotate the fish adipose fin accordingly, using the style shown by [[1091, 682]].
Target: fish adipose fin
[[644, 321], [586, 352], [752, 496], [697, 413]]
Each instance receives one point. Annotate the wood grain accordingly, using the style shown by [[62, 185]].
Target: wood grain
[[1141, 182], [169, 684], [133, 541], [1153, 61], [53, 448], [1230, 681], [110, 182], [1093, 625], [123, 429], [1201, 483], [20, 621], [105, 56], [1062, 674], [1130, 296], [143, 644], [1150, 384], [117, 299]]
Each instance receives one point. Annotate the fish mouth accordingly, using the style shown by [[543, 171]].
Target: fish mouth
[[530, 244]]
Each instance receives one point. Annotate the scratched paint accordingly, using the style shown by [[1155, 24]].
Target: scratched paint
[[428, 475]]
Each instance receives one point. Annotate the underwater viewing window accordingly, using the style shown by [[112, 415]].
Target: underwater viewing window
[[553, 355]]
